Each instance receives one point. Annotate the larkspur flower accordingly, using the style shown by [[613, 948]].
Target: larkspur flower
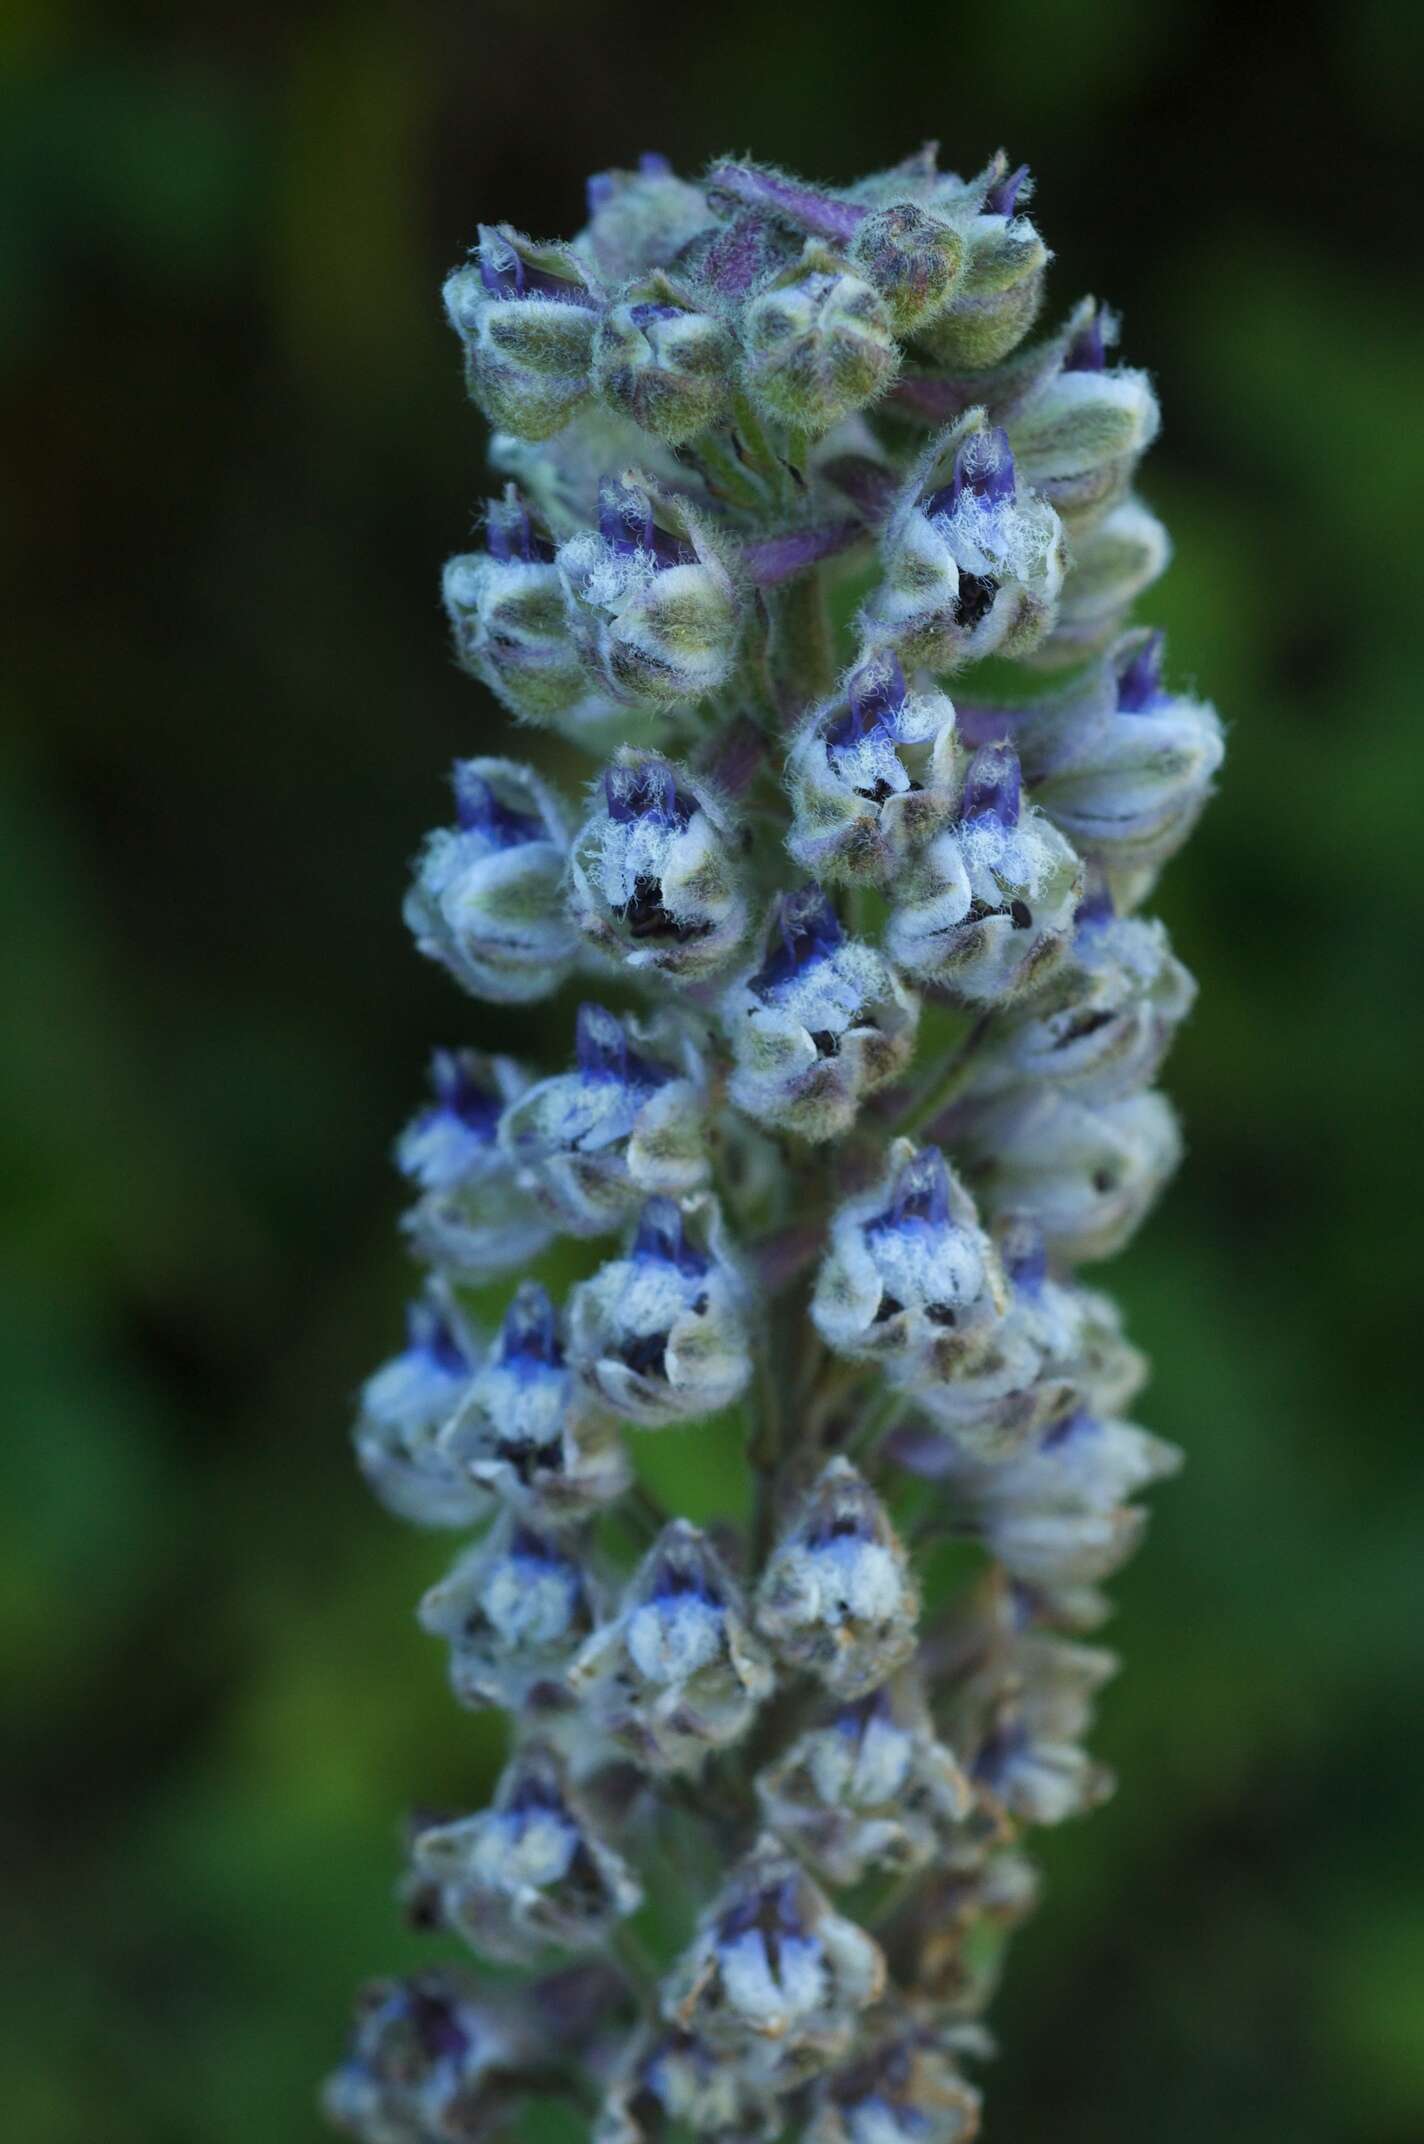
[[837, 1597], [525, 1429], [656, 879], [627, 1123], [476, 1215], [987, 910], [823, 1022], [406, 1405], [486, 900], [528, 1872], [678, 1672], [974, 560], [782, 469], [775, 1975], [661, 1334]]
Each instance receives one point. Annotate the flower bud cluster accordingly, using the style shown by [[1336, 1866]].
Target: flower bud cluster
[[768, 1803]]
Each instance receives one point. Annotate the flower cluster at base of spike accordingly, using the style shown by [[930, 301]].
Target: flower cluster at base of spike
[[873, 1081]]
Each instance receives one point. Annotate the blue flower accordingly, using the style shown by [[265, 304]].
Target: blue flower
[[514, 1610], [988, 909], [677, 1672], [406, 1404], [627, 1123], [529, 1871], [973, 562], [476, 1215], [822, 1023], [487, 898], [837, 1597], [525, 1429], [775, 1976], [661, 1334], [655, 876]]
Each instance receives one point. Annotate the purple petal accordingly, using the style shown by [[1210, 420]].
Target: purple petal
[[820, 214], [1085, 352], [479, 811], [662, 1238], [777, 558], [1139, 682], [1002, 196], [992, 786], [647, 790], [806, 930]]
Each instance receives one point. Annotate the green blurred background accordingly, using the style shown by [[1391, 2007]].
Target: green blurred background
[[243, 453]]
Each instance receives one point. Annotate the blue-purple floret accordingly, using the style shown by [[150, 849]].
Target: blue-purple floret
[[603, 1051], [680, 1578], [1139, 682], [806, 930], [992, 787], [983, 467], [627, 526], [662, 1238], [479, 811], [647, 790], [820, 214]]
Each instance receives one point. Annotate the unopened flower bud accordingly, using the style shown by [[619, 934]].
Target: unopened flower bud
[[1057, 1514], [973, 561], [529, 1871], [1110, 565], [1080, 430], [915, 261], [872, 1787], [656, 612], [406, 1405], [1001, 286], [837, 1597], [425, 2060], [1122, 765], [872, 773], [525, 1430], [1105, 1020], [774, 1968], [475, 1217], [627, 1123], [1086, 1175], [1030, 1760], [678, 1672], [662, 361], [905, 2089], [910, 1278], [655, 873], [511, 629], [822, 1023], [525, 314], [641, 220], [987, 910], [819, 343], [487, 898], [514, 1609], [661, 1334]]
